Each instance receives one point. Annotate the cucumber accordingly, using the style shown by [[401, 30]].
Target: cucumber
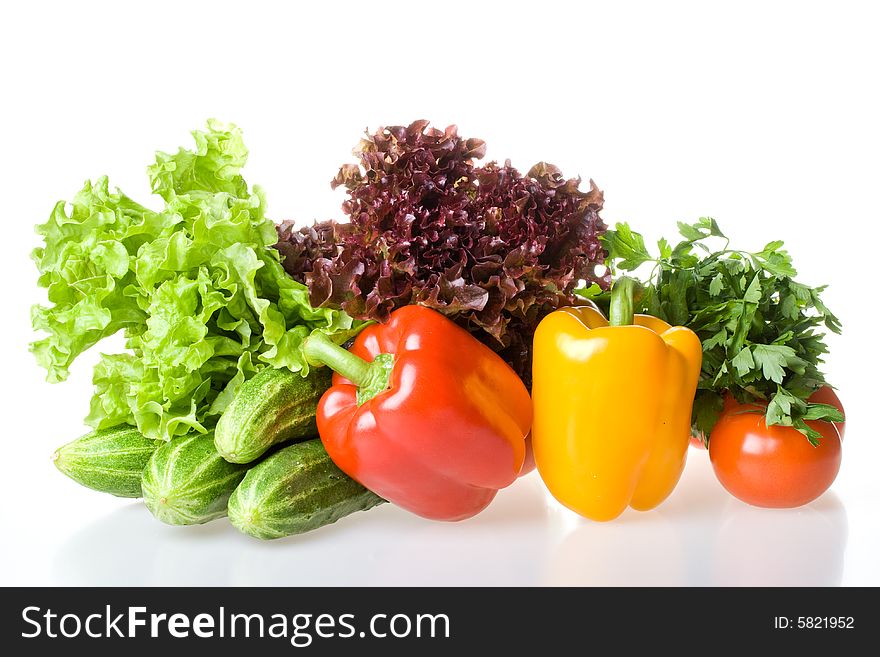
[[275, 406], [187, 482], [109, 461], [295, 490]]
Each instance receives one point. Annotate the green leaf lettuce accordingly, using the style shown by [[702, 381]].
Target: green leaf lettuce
[[196, 287]]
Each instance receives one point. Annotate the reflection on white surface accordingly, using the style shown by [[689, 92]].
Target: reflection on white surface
[[386, 545], [700, 536], [791, 547], [648, 552]]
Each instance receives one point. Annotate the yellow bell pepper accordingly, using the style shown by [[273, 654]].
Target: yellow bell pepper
[[612, 405]]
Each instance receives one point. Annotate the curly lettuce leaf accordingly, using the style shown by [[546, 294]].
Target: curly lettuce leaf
[[85, 264], [197, 288]]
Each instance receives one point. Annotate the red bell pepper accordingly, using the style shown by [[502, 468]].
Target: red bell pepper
[[423, 414]]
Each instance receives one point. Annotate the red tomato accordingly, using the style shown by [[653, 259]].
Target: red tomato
[[772, 466], [826, 395]]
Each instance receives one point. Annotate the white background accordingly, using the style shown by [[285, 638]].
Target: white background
[[762, 114]]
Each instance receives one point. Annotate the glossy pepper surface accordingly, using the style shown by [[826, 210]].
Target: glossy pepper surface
[[612, 406], [423, 414]]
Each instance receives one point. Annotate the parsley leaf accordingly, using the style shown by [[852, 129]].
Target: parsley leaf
[[707, 408], [743, 361], [761, 331], [772, 359], [626, 247]]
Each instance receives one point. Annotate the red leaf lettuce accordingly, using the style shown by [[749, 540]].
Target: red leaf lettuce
[[486, 246]]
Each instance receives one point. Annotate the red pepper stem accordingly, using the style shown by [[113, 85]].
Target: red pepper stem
[[319, 349], [621, 310], [370, 378]]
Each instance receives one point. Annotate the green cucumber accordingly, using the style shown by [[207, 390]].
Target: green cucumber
[[187, 482], [109, 460], [275, 406], [295, 490]]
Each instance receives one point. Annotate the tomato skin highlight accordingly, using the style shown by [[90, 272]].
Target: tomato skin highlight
[[772, 466], [827, 395]]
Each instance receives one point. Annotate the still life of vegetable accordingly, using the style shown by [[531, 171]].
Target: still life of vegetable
[[465, 323]]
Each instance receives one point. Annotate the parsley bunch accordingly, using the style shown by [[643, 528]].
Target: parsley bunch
[[760, 329]]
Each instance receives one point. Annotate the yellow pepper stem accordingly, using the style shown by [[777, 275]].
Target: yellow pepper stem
[[621, 311]]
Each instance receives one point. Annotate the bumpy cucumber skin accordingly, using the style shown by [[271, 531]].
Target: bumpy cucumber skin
[[187, 482], [295, 490], [109, 460], [275, 406]]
